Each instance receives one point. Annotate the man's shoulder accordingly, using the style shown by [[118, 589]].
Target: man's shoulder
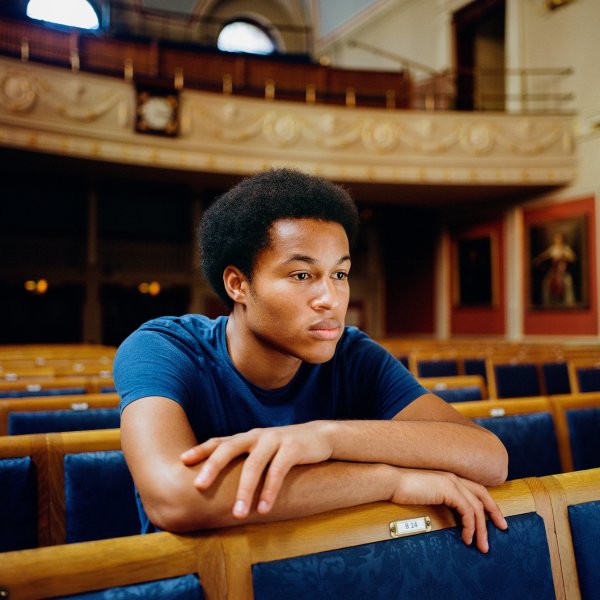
[[195, 326], [193, 334]]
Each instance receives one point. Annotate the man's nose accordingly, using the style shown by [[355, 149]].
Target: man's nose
[[326, 294]]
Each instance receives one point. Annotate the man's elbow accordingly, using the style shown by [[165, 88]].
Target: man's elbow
[[169, 518], [497, 471], [178, 516]]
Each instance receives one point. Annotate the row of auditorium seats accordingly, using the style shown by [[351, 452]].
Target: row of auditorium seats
[[543, 435], [66, 486], [59, 413], [57, 386], [512, 378], [550, 550], [55, 370], [498, 380]]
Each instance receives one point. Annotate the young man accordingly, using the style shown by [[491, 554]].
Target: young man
[[278, 411]]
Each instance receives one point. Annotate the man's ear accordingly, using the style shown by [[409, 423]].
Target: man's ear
[[236, 284]]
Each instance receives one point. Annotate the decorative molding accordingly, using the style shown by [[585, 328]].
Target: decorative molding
[[53, 110], [21, 90]]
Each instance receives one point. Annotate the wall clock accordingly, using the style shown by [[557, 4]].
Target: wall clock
[[157, 111]]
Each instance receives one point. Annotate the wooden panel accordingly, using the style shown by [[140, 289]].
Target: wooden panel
[[75, 568]]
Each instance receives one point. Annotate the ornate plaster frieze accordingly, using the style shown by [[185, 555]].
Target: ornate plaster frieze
[[75, 100], [77, 114]]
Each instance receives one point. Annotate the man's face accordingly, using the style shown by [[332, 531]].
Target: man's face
[[299, 291]]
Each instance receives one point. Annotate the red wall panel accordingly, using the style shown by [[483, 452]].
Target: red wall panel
[[563, 321]]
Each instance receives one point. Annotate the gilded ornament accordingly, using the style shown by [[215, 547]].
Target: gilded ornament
[[380, 137], [282, 129], [476, 139], [18, 92]]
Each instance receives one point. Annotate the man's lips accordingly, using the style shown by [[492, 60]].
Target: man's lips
[[327, 329]]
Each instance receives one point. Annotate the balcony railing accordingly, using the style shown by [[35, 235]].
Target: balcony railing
[[290, 77]]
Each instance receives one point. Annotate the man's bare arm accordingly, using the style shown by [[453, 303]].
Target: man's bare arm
[[154, 432], [427, 434]]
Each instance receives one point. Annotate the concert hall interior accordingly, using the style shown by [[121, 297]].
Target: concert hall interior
[[467, 132]]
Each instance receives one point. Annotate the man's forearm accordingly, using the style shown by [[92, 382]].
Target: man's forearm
[[307, 490], [467, 451]]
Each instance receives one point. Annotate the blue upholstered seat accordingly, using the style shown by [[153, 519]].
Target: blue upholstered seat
[[99, 497], [462, 394], [531, 443], [475, 366], [513, 381], [437, 368], [556, 378], [584, 434], [186, 587], [585, 531], [49, 392], [18, 504], [426, 566], [589, 379], [62, 420]]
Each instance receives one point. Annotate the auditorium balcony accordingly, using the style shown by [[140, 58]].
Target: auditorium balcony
[[145, 125]]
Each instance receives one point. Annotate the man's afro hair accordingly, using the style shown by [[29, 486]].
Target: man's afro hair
[[236, 227]]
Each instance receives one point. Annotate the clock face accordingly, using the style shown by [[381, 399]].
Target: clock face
[[157, 113]]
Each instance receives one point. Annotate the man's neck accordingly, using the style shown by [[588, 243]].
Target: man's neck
[[264, 366]]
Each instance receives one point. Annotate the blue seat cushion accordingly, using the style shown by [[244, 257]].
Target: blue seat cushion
[[186, 587], [99, 497], [42, 392], [585, 530], [18, 504], [530, 441], [429, 566], [584, 434], [589, 379], [556, 378], [62, 420], [513, 381], [463, 394], [437, 368], [475, 366]]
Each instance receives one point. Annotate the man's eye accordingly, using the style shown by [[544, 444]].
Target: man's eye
[[340, 275], [300, 276]]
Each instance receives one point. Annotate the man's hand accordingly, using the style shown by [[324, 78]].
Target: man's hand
[[272, 452], [470, 500]]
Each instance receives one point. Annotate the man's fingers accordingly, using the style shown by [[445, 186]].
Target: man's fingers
[[471, 509], [198, 453], [458, 500], [489, 504], [252, 471], [280, 467], [221, 456]]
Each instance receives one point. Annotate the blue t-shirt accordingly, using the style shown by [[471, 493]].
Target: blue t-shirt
[[186, 359]]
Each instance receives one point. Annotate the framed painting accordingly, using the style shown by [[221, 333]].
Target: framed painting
[[557, 262]]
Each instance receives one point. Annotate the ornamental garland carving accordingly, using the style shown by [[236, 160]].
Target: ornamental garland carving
[[20, 92], [419, 134]]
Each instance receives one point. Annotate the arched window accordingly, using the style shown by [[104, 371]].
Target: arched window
[[74, 13], [245, 36]]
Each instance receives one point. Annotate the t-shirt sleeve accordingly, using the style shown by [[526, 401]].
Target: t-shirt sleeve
[[153, 361], [383, 379]]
